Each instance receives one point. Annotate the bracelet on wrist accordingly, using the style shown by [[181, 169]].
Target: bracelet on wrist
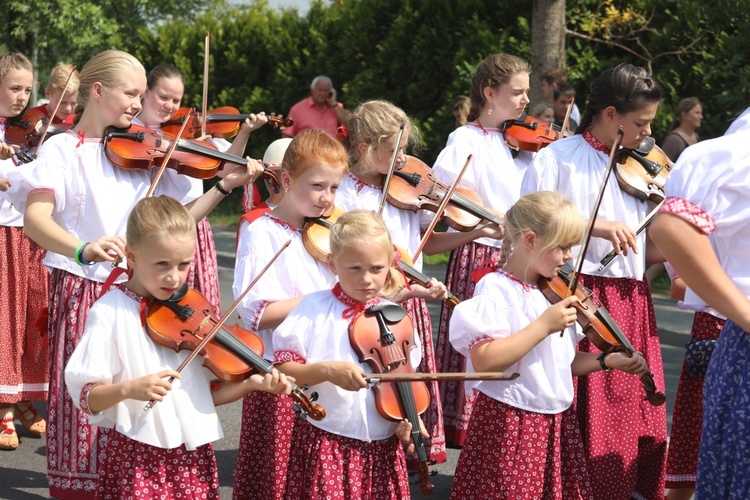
[[80, 259], [221, 189], [600, 359]]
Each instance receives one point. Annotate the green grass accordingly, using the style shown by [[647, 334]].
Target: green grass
[[661, 284]]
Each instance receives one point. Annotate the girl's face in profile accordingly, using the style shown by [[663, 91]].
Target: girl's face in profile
[[509, 100], [636, 125], [120, 103], [548, 115]]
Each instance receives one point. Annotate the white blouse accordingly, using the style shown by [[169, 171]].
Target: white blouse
[[573, 168], [493, 172], [114, 348], [93, 197], [713, 177], [294, 273], [502, 305], [9, 216], [316, 331], [403, 225]]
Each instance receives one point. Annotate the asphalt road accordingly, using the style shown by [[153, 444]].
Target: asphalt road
[[23, 471]]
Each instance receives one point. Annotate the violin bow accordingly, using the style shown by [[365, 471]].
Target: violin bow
[[206, 63], [54, 113], [374, 378], [212, 333], [587, 236], [440, 210], [168, 156], [565, 122], [611, 255], [388, 177]]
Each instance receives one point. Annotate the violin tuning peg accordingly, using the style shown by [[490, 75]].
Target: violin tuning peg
[[305, 387], [297, 408], [314, 396]]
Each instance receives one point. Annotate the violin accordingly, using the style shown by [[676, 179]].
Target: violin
[[27, 130], [414, 187], [597, 324], [382, 336], [143, 148], [233, 355], [316, 240], [529, 134], [222, 122], [643, 171]]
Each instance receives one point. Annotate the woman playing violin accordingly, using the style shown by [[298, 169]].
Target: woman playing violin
[[116, 367], [354, 452], [24, 375], [75, 204], [498, 94], [532, 417], [161, 100], [628, 459], [312, 168]]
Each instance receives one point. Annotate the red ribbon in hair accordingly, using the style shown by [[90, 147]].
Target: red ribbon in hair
[[342, 132]]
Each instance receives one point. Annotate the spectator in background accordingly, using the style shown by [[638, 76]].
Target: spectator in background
[[319, 111], [544, 111], [562, 97], [682, 133], [460, 109], [551, 79]]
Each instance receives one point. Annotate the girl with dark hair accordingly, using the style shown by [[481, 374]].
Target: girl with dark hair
[[624, 436], [682, 133]]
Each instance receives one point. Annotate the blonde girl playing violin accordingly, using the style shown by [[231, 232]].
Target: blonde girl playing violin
[[631, 463], [75, 204], [161, 101], [523, 440], [24, 375], [165, 451], [312, 168], [354, 452]]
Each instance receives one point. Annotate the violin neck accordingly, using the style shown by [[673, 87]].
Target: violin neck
[[218, 117], [612, 326], [242, 351], [201, 150], [410, 410], [476, 210], [421, 278]]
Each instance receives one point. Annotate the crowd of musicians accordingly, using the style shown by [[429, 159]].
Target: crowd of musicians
[[109, 283]]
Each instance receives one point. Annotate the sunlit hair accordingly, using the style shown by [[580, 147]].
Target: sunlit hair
[[106, 67], [162, 71], [58, 77], [358, 227], [552, 217], [626, 87], [494, 71], [313, 147], [159, 217], [684, 106], [374, 122], [13, 60]]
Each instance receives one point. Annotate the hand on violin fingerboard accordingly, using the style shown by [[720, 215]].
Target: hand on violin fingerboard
[[490, 230], [403, 432], [239, 175], [621, 361], [255, 121], [274, 382]]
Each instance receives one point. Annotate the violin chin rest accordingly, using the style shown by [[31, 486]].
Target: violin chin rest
[[179, 294], [390, 312], [646, 145]]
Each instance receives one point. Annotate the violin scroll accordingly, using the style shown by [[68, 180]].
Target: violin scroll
[[279, 121]]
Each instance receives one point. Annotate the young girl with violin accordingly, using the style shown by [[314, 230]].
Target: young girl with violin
[[75, 203], [498, 93], [704, 232], [57, 92], [312, 168], [354, 452], [629, 458], [24, 376], [166, 451], [160, 103], [523, 440]]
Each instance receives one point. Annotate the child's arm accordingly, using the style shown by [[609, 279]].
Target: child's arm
[[275, 312], [440, 242], [501, 354], [341, 373], [146, 388], [587, 362], [274, 382]]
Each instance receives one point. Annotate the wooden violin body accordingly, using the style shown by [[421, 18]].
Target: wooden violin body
[[414, 187], [383, 337], [27, 129], [529, 134], [234, 353], [221, 122], [597, 325], [643, 172]]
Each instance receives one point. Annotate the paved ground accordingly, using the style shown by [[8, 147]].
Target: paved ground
[[22, 472]]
